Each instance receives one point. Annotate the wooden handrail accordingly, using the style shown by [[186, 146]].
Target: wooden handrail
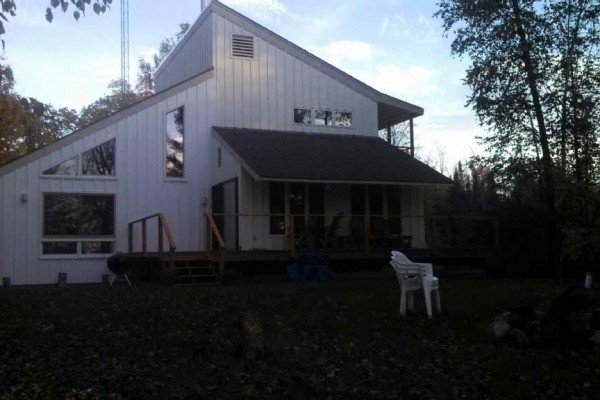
[[163, 229], [215, 230]]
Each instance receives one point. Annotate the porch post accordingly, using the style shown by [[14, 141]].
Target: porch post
[[389, 133], [412, 138], [367, 221]]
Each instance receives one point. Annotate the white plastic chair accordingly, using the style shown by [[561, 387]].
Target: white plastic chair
[[415, 276]]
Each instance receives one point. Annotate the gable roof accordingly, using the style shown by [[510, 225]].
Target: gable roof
[[289, 156], [390, 109]]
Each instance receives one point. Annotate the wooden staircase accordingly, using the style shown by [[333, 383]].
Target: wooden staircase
[[190, 269], [195, 270]]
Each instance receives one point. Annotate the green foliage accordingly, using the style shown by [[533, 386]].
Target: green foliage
[[146, 69], [111, 103], [9, 9], [535, 85], [27, 124]]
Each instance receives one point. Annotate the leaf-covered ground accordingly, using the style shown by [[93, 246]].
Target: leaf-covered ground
[[340, 339]]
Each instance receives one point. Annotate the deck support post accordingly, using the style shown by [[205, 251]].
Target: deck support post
[[389, 133], [130, 237], [144, 238]]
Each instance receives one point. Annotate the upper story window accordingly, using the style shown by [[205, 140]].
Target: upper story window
[[98, 161], [67, 168], [242, 46], [341, 119], [323, 117], [175, 137], [302, 116]]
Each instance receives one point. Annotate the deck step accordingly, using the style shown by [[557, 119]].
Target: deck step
[[195, 270]]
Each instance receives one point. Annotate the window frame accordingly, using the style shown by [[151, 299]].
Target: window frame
[[79, 172], [310, 110], [333, 112], [168, 178], [79, 239]]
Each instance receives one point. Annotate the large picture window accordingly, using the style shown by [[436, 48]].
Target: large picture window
[[175, 137], [78, 224]]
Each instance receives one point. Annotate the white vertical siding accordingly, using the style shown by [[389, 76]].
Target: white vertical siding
[[140, 187], [262, 93], [188, 59]]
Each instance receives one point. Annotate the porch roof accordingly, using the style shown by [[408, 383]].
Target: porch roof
[[299, 156]]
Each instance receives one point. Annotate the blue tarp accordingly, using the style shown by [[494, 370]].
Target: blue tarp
[[310, 267]]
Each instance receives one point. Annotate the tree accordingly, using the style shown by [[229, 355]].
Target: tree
[[399, 135], [9, 9], [530, 62], [146, 69], [107, 105], [27, 124]]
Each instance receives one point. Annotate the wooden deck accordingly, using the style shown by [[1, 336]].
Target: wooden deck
[[249, 256]]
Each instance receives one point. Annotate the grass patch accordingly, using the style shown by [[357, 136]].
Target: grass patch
[[340, 339]]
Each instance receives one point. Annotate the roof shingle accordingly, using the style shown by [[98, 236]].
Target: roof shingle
[[326, 157]]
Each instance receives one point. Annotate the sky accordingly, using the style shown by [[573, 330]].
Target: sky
[[395, 46]]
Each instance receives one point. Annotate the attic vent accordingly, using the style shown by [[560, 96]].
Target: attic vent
[[242, 46]]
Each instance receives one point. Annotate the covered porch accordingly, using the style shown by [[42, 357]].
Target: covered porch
[[296, 192]]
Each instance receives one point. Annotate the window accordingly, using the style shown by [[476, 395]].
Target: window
[[219, 157], [175, 136], [68, 167], [302, 116], [323, 117], [276, 208], [242, 46], [71, 218], [98, 161], [343, 119]]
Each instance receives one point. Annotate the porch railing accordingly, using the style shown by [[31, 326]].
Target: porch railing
[[351, 232], [348, 232], [214, 231], [163, 231]]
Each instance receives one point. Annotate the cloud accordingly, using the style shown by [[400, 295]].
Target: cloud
[[412, 82], [341, 52], [275, 6], [384, 25]]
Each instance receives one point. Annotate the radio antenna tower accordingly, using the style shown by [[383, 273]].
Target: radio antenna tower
[[124, 45]]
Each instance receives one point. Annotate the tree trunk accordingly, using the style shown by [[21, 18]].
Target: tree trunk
[[553, 242]]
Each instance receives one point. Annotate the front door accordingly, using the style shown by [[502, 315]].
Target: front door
[[225, 205]]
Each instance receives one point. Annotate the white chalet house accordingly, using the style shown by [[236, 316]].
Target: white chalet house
[[278, 147]]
